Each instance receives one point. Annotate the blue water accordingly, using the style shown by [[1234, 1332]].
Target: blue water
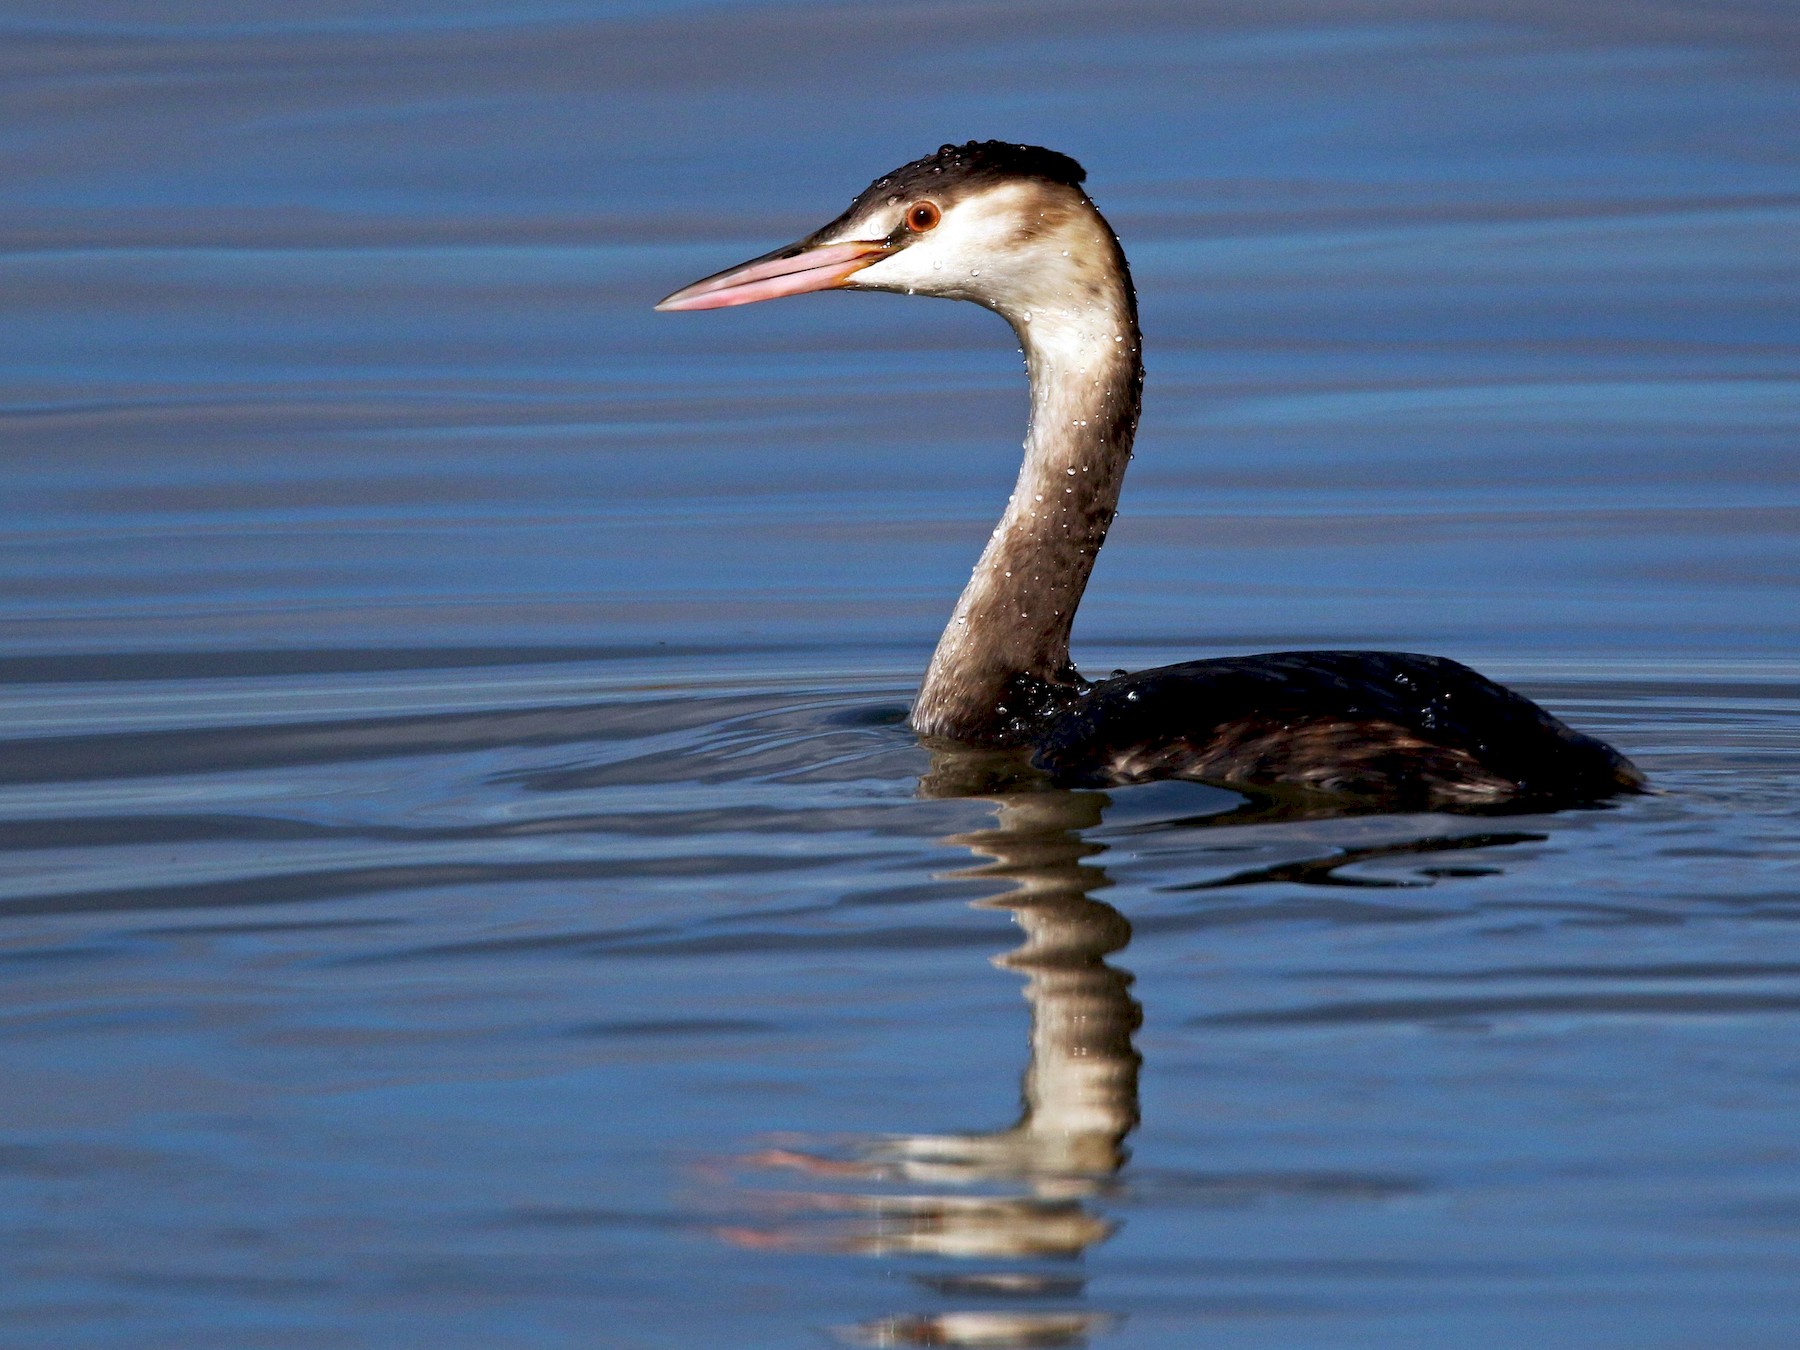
[[466, 880]]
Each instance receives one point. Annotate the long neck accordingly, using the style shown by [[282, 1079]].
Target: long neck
[[1014, 617]]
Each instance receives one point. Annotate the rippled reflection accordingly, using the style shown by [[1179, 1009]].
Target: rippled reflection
[[1019, 1198]]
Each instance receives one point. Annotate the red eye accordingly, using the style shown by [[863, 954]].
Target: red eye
[[922, 216]]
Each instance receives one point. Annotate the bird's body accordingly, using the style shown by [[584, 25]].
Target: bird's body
[[1009, 227]]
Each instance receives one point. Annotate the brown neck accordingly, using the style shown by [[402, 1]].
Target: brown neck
[[1014, 617]]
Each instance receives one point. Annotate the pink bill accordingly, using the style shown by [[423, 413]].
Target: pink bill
[[769, 278]]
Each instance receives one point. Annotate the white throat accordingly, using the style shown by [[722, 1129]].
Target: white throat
[[1078, 326]]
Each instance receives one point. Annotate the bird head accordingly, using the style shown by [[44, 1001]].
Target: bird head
[[1006, 226]]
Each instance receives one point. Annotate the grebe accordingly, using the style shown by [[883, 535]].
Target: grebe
[[1009, 227]]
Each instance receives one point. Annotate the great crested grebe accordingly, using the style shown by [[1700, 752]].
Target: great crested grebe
[[1009, 227]]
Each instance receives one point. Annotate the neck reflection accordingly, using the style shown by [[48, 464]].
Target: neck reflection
[[1080, 1097], [1020, 1195]]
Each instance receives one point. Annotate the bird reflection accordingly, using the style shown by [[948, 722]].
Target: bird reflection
[[1017, 1208], [1023, 1194]]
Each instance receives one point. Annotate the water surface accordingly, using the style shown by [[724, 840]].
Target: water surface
[[466, 878]]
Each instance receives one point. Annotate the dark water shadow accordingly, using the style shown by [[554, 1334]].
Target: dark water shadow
[[1326, 871]]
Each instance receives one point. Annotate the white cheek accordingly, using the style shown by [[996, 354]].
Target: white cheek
[[960, 256], [952, 259], [900, 272]]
